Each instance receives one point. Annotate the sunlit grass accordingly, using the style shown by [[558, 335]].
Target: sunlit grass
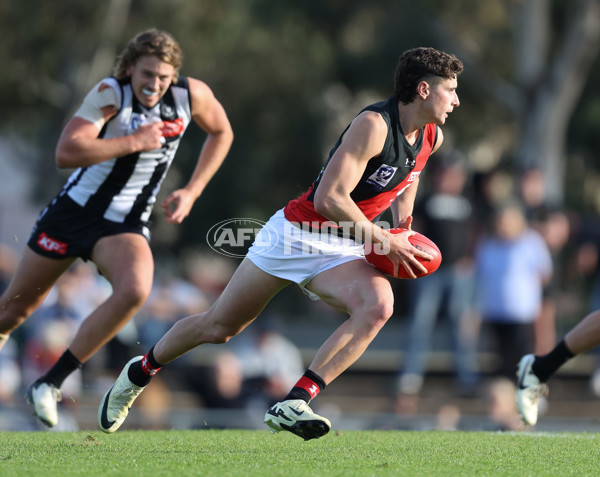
[[259, 453]]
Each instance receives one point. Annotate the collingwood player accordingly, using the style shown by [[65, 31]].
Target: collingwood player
[[121, 143]]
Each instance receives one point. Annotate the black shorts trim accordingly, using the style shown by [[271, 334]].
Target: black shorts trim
[[66, 229]]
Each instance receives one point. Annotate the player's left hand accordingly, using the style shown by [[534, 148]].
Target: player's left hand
[[404, 254], [177, 205]]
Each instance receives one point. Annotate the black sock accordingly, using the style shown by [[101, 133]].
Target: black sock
[[545, 366], [138, 375], [152, 360], [65, 365], [301, 389]]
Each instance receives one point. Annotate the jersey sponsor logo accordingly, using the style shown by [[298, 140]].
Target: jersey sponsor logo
[[173, 128], [382, 176], [51, 245], [409, 180]]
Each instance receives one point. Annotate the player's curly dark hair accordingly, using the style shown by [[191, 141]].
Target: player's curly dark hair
[[420, 64], [150, 42]]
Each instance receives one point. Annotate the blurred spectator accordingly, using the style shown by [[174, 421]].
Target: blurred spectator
[[9, 260], [10, 371], [11, 417], [269, 362], [501, 406], [553, 225], [253, 371], [209, 272], [217, 381], [445, 215], [172, 297], [490, 189], [586, 266], [77, 293], [532, 191], [512, 267], [51, 327], [448, 418]]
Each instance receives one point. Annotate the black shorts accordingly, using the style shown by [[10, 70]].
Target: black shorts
[[66, 229]]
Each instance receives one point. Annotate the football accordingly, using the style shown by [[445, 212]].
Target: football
[[382, 263]]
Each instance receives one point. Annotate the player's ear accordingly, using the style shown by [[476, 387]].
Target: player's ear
[[423, 89]]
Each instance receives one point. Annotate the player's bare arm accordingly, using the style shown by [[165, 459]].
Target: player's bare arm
[[80, 146], [402, 207], [210, 115], [363, 140]]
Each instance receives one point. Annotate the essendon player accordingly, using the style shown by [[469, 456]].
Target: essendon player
[[317, 243]]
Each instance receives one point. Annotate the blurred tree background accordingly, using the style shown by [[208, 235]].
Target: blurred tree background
[[292, 74]]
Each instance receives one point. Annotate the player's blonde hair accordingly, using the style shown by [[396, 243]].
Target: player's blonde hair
[[150, 42]]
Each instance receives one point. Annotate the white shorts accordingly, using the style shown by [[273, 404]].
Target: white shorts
[[287, 251]]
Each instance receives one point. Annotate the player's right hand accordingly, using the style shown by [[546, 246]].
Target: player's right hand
[[150, 136]]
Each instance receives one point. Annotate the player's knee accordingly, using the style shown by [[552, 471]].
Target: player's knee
[[134, 293], [217, 332], [382, 311], [379, 309]]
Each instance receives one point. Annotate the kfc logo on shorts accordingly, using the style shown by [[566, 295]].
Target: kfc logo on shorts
[[51, 245]]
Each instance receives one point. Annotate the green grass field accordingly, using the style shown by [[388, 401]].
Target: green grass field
[[259, 453]]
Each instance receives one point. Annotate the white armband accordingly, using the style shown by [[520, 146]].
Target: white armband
[[91, 109]]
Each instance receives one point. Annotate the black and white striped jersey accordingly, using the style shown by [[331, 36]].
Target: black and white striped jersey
[[123, 189]]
